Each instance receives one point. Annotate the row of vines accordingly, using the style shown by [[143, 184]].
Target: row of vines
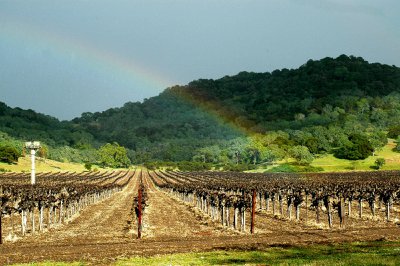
[[53, 200], [139, 204], [227, 197]]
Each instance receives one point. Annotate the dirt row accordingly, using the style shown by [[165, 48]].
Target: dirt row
[[106, 231]]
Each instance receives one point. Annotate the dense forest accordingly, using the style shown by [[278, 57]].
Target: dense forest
[[345, 106]]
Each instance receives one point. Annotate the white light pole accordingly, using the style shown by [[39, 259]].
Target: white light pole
[[33, 146]]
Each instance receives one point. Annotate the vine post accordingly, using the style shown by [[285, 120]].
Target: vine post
[[1, 236], [1, 214], [139, 213], [253, 210]]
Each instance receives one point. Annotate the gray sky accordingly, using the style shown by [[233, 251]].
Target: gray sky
[[63, 58]]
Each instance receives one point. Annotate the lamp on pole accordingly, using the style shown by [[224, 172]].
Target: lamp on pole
[[33, 146]]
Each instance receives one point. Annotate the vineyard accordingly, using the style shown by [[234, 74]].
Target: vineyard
[[54, 199], [224, 195], [96, 216]]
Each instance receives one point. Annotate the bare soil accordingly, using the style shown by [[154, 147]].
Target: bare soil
[[106, 231]]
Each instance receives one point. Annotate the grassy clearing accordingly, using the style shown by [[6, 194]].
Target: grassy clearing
[[368, 253], [24, 165], [331, 164]]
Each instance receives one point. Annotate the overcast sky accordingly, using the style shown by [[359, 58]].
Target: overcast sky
[[64, 58]]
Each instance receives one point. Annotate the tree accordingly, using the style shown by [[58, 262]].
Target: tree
[[321, 136], [397, 148], [312, 145], [255, 148], [269, 138], [113, 155], [236, 149], [273, 153], [358, 148], [301, 154], [300, 137], [379, 162], [210, 154], [378, 140], [8, 154], [394, 131]]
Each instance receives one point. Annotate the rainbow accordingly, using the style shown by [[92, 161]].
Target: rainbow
[[68, 48], [223, 115], [84, 53]]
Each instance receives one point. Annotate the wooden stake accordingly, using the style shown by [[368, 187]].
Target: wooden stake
[[235, 217], [253, 211], [306, 208], [140, 213], [1, 237]]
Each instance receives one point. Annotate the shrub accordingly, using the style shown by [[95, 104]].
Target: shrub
[[288, 168], [193, 166], [312, 169], [88, 166], [283, 168], [9, 154], [239, 167]]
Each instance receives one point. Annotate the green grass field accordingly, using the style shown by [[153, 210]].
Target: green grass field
[[368, 253], [348, 254], [24, 165], [331, 164]]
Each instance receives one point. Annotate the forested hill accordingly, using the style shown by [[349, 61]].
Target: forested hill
[[338, 96], [165, 127], [28, 125], [265, 101], [255, 101]]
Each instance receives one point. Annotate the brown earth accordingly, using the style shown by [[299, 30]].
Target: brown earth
[[105, 232]]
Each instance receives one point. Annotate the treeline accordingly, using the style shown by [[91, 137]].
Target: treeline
[[344, 106], [29, 125]]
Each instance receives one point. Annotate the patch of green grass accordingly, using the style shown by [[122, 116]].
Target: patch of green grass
[[328, 163], [331, 164], [375, 253], [24, 165], [364, 253]]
